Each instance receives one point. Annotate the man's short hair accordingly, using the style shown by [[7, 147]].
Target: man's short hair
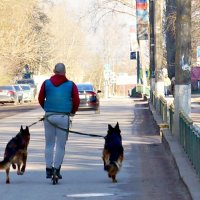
[[59, 68]]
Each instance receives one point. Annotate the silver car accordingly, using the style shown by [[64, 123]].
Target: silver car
[[27, 92], [8, 94], [19, 91]]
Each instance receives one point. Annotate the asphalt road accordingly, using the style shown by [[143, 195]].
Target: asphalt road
[[9, 109], [148, 171]]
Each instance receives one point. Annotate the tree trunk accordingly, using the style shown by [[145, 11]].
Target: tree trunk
[[170, 37], [183, 61], [158, 16]]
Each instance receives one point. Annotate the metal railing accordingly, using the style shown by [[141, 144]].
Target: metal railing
[[190, 140], [196, 150], [189, 134], [170, 118], [166, 111], [163, 108], [153, 98]]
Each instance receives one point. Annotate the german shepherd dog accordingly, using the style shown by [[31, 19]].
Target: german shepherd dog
[[16, 153], [113, 152]]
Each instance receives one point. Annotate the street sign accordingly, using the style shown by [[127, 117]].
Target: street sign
[[133, 55], [107, 74], [107, 67], [113, 77], [107, 71]]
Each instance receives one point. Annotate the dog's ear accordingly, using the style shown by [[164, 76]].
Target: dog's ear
[[117, 126], [27, 130], [21, 128], [109, 127]]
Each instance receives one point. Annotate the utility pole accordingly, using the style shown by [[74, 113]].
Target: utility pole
[[142, 37], [138, 67], [183, 61], [152, 44], [158, 16]]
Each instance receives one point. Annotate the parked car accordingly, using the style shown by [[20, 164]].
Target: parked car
[[20, 92], [89, 97], [8, 94], [27, 92], [30, 82]]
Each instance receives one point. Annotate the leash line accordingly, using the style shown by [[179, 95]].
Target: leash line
[[68, 130], [41, 119], [80, 133]]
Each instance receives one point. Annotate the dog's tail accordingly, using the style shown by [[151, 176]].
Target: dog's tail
[[116, 159], [4, 163], [117, 164]]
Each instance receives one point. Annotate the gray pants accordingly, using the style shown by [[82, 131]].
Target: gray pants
[[55, 139]]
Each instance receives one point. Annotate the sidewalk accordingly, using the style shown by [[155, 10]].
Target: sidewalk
[[186, 171], [195, 107]]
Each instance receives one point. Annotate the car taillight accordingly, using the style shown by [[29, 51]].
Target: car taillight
[[89, 94], [11, 93]]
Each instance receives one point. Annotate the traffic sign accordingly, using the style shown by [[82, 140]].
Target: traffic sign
[[133, 55], [107, 67]]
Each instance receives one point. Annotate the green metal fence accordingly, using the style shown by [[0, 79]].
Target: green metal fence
[[190, 140], [170, 117], [189, 134], [163, 108], [185, 124], [161, 104], [196, 150], [153, 98]]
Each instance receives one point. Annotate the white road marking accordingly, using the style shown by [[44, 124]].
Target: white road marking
[[89, 195]]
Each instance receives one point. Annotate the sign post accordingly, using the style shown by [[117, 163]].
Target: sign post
[[107, 72]]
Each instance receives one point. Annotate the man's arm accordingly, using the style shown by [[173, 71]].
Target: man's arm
[[41, 96], [75, 99]]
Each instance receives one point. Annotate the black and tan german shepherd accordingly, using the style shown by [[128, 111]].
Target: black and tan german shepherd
[[113, 152], [16, 153]]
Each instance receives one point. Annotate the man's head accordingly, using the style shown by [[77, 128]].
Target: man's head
[[59, 69]]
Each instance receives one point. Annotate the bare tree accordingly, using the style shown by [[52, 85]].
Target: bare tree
[[22, 36], [68, 43], [170, 30]]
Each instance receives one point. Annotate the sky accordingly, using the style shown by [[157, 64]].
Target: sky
[[114, 26]]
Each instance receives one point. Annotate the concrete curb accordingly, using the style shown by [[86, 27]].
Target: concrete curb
[[186, 171]]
